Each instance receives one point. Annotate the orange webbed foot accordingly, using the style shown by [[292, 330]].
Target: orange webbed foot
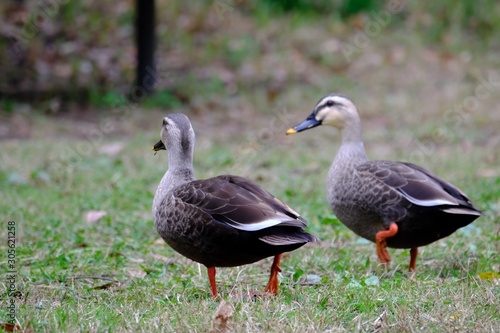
[[380, 241], [272, 285]]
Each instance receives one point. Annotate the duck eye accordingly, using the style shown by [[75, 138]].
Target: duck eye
[[330, 103], [165, 122]]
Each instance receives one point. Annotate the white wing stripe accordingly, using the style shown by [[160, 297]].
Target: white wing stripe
[[259, 225], [428, 203], [464, 211]]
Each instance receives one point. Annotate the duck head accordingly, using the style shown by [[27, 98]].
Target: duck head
[[177, 134], [334, 110]]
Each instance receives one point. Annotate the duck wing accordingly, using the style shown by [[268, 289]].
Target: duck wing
[[439, 189], [244, 205], [420, 187]]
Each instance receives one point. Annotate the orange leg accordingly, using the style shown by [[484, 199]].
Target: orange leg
[[413, 259], [272, 285], [211, 277], [380, 241]]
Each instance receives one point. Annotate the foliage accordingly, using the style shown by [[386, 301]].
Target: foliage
[[345, 7], [453, 21], [66, 53]]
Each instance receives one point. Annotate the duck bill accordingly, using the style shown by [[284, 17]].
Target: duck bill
[[159, 146], [310, 122]]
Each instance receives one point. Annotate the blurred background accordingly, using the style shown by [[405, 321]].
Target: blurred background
[[60, 56], [425, 76]]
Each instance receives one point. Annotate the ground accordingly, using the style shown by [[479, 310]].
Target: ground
[[419, 102]]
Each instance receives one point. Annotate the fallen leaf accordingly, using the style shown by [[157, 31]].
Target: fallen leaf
[[138, 273], [362, 241], [372, 280], [14, 178], [354, 284], [10, 327], [489, 275], [139, 260], [221, 322], [160, 257], [313, 279], [93, 216]]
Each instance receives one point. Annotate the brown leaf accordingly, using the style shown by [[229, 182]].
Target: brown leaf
[[10, 327], [93, 216], [160, 257], [138, 273], [221, 322]]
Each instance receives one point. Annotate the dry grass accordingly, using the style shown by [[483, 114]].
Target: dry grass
[[114, 274]]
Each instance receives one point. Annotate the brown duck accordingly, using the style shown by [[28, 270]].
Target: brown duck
[[222, 221], [393, 204]]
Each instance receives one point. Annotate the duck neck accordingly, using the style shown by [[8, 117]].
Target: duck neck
[[351, 129], [352, 151], [350, 155], [180, 161], [180, 171]]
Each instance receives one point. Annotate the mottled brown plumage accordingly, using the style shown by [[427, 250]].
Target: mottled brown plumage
[[222, 221], [394, 204]]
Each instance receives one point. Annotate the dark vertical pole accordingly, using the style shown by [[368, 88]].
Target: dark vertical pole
[[145, 38]]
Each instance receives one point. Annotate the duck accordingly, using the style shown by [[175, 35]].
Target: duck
[[392, 204], [224, 221]]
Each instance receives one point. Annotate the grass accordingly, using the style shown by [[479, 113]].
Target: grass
[[116, 275]]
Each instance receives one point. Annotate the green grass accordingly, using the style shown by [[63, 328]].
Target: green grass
[[116, 275], [80, 276]]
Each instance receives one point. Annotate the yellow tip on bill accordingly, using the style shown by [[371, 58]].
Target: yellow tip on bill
[[153, 148], [291, 131]]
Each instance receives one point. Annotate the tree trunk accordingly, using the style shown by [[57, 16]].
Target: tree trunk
[[146, 79]]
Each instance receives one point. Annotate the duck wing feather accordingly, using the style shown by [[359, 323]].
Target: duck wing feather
[[419, 186], [239, 203]]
